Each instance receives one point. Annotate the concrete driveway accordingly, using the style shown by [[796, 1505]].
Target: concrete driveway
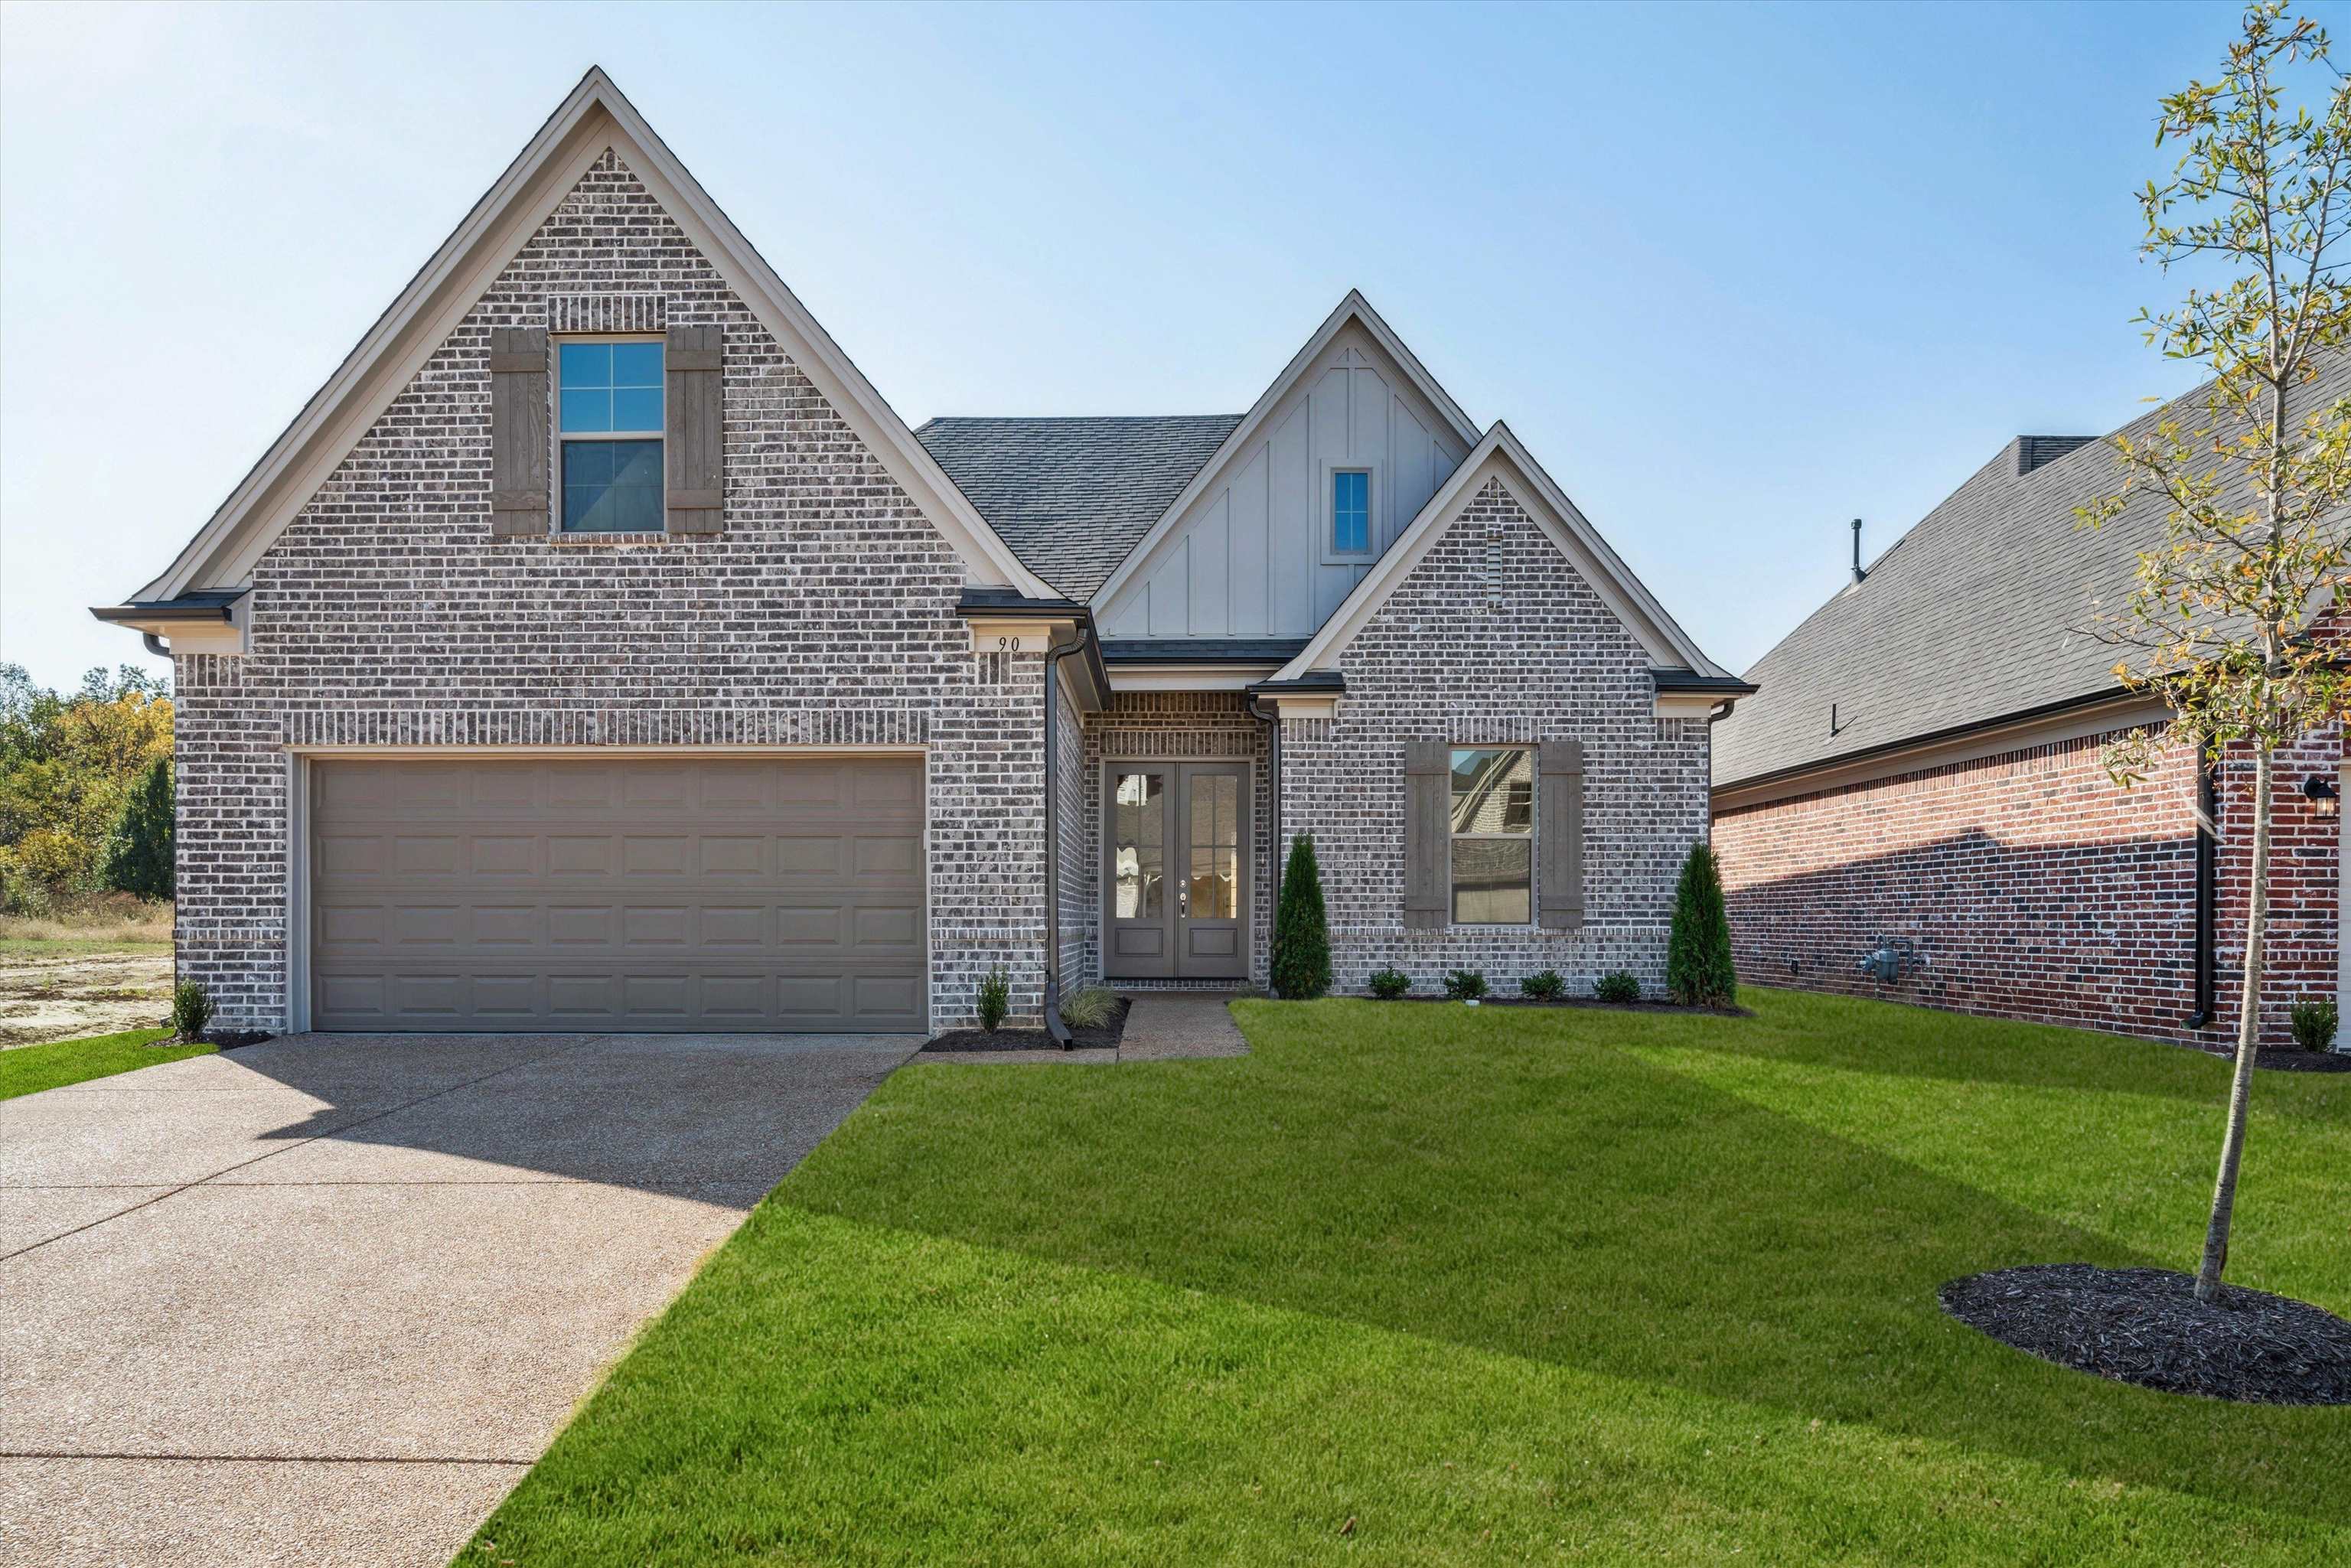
[[323, 1300]]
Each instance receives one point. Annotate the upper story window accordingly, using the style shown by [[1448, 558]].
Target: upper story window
[[608, 396], [1493, 827], [1351, 511]]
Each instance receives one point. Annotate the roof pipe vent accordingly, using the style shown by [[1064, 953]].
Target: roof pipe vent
[[1858, 573]]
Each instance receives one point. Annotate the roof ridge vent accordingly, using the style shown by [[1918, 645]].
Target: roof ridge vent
[[2036, 451]]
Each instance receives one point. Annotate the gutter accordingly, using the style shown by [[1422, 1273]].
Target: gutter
[[1055, 1029]]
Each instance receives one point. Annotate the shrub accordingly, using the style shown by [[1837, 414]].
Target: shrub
[[995, 999], [1089, 1009], [1697, 953], [1390, 983], [1543, 987], [1618, 985], [138, 855], [192, 1009], [1302, 942], [1465, 985], [2313, 1025]]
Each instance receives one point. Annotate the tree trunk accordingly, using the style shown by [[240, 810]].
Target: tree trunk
[[2248, 1038]]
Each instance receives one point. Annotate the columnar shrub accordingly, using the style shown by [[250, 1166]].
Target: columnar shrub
[[1301, 941], [191, 1010], [995, 999], [1698, 972]]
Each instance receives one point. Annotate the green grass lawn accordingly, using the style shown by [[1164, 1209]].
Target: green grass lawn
[[28, 1069], [1427, 1284]]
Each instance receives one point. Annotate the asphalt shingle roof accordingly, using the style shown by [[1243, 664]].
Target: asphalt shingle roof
[[1072, 496], [1981, 611]]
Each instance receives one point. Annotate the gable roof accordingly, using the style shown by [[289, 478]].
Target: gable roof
[[1499, 454], [594, 118], [1980, 614], [1073, 496], [1353, 309]]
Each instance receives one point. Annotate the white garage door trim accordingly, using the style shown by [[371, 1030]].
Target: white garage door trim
[[299, 783]]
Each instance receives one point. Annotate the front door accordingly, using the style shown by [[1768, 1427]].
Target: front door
[[1176, 871]]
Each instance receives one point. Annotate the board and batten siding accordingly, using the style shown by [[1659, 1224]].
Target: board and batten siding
[[1250, 555]]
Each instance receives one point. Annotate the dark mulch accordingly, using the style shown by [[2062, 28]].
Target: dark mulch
[[225, 1039], [979, 1039], [2275, 1059], [1592, 1002], [2146, 1326]]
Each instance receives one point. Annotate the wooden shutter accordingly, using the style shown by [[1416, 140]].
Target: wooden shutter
[[1559, 837], [1427, 772], [519, 443], [695, 459]]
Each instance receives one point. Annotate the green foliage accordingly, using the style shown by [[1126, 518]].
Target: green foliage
[[191, 1010], [1545, 985], [1389, 983], [68, 764], [1619, 986], [2313, 1025], [29, 1069], [1465, 985], [1699, 971], [1089, 1009], [1301, 941], [995, 999], [139, 857]]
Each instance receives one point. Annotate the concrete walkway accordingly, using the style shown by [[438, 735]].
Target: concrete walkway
[[1167, 1024], [323, 1300]]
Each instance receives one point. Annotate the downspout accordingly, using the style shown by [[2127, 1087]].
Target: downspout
[[155, 645], [1055, 1030], [2208, 856], [1272, 722]]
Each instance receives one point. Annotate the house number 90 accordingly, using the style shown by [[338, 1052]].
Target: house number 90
[[1007, 644]]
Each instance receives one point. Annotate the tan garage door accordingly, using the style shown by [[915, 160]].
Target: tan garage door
[[544, 893]]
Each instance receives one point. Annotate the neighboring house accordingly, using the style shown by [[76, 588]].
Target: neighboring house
[[598, 650], [1923, 763]]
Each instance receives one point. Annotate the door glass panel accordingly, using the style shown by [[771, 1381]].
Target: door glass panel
[[1138, 846], [1215, 835]]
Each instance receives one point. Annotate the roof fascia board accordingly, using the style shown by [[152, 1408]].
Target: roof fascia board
[[595, 116], [1354, 308], [1499, 456]]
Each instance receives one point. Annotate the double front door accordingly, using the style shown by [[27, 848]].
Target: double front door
[[1176, 873]]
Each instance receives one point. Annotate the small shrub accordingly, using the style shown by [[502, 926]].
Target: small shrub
[[1618, 985], [1301, 941], [1465, 985], [1543, 987], [1089, 1009], [1390, 983], [2313, 1025], [1699, 971], [995, 999], [192, 1009]]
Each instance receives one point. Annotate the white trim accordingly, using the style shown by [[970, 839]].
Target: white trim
[[1175, 676], [297, 894], [1017, 633], [1331, 554], [1322, 705], [1354, 308], [187, 636], [1689, 704], [2125, 710], [558, 438], [594, 118], [1500, 456]]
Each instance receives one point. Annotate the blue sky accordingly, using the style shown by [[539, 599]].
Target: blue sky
[[1735, 275]]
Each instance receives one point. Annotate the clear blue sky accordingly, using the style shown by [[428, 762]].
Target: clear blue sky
[[1734, 274]]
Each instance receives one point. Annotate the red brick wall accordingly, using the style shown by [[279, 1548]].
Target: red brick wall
[[2035, 887]]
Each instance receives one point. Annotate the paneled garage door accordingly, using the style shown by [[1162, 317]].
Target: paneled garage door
[[545, 893]]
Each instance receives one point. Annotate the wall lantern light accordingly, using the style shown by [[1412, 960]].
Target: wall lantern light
[[2324, 800]]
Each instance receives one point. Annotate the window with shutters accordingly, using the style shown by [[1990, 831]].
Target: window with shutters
[[1492, 827], [608, 421]]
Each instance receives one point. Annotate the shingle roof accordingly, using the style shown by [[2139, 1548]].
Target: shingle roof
[[1980, 613], [1072, 495]]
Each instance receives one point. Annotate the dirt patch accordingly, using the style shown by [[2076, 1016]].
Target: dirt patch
[[52, 989]]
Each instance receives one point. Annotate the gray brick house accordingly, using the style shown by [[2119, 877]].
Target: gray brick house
[[598, 649]]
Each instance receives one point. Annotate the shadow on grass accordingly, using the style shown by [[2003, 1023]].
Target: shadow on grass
[[1519, 1185]]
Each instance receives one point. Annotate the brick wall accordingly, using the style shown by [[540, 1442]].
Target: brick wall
[[387, 613], [1495, 639], [2035, 886]]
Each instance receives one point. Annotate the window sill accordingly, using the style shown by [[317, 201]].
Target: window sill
[[617, 541]]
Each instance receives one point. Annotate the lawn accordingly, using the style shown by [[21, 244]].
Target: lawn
[[1426, 1284], [29, 1069]]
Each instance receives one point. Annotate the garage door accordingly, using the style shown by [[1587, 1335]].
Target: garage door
[[542, 894]]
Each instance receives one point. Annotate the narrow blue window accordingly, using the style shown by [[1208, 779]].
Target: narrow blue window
[[1350, 512], [608, 413]]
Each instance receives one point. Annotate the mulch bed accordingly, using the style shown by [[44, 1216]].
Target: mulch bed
[[225, 1039], [979, 1039], [2280, 1058], [1592, 1002], [2146, 1326]]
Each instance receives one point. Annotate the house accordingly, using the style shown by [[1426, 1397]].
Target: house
[[1922, 772], [598, 649]]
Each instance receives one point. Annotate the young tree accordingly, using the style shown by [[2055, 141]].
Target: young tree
[[139, 857], [1301, 941], [1699, 971], [2223, 622]]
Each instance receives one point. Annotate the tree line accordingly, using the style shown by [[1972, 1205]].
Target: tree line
[[86, 788]]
